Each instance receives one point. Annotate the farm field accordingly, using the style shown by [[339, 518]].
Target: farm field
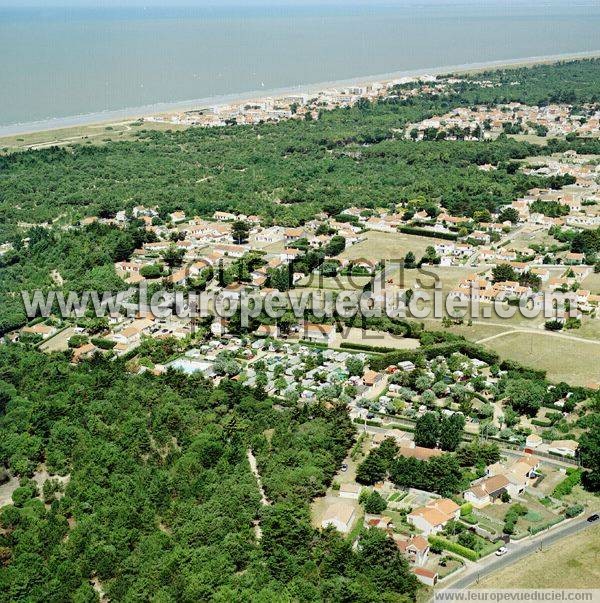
[[578, 559]]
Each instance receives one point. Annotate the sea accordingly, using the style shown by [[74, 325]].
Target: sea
[[68, 66]]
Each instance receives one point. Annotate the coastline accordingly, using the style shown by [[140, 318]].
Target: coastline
[[132, 113]]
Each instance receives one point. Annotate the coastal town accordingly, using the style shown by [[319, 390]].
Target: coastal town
[[470, 428]]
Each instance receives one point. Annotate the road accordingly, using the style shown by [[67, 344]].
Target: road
[[516, 551]]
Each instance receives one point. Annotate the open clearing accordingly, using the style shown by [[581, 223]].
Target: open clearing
[[575, 362], [570, 563], [388, 246], [374, 338], [91, 134]]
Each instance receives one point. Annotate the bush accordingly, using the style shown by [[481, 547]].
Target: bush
[[103, 344], [77, 341], [573, 511], [453, 547], [566, 486], [466, 509]]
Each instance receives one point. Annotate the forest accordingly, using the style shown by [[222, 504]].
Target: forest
[[160, 501]]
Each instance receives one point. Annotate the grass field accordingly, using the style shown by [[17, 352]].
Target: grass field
[[90, 134], [388, 246], [575, 362], [571, 563]]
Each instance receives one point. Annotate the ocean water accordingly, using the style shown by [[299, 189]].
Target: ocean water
[[60, 63]]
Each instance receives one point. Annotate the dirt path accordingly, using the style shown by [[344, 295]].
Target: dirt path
[[254, 467], [263, 497]]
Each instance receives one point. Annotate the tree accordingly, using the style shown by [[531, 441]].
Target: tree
[[355, 366], [589, 454], [371, 470], [509, 214], [525, 396], [504, 272], [410, 260], [240, 231], [173, 256], [451, 431], [374, 503], [336, 245], [427, 430]]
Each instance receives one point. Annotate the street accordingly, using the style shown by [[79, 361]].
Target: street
[[516, 551]]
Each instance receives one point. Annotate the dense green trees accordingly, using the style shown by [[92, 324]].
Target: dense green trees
[[161, 501]]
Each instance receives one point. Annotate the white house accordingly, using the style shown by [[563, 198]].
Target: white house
[[340, 515]]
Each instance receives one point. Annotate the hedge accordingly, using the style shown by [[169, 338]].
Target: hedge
[[454, 547], [103, 344], [566, 486], [366, 348], [541, 422], [462, 346], [421, 232]]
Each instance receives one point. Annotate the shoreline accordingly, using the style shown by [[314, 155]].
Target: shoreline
[[133, 113]]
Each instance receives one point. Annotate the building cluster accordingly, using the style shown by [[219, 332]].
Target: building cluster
[[485, 122]]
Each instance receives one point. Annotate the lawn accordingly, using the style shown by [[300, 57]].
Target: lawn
[[572, 563]]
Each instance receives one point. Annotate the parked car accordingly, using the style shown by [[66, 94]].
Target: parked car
[[344, 467], [594, 517], [501, 551]]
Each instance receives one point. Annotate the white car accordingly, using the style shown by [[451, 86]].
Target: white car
[[501, 551]]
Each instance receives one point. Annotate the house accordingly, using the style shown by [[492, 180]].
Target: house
[[486, 491], [223, 216], [318, 333], [267, 331], [39, 329], [432, 518], [371, 378], [518, 473], [177, 216], [533, 441], [350, 491], [425, 576], [84, 351], [289, 254], [416, 549], [563, 447], [340, 515], [419, 452]]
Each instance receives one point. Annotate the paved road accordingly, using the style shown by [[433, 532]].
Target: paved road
[[516, 552]]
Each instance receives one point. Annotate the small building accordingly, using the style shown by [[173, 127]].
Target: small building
[[350, 491], [340, 515], [533, 441], [40, 329], [318, 333], [563, 447], [425, 576]]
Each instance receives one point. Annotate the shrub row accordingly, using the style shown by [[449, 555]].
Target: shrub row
[[365, 347], [422, 232], [454, 547]]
